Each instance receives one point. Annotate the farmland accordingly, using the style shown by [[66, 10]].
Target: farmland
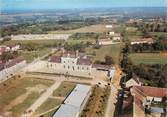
[[148, 58]]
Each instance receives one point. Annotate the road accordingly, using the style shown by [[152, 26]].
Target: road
[[115, 86]]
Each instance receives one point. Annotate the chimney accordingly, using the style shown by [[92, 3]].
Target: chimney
[[77, 53]]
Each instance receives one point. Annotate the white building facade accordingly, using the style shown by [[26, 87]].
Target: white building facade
[[10, 68]]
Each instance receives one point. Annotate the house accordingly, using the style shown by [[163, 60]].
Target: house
[[116, 37], [143, 41], [148, 101], [3, 49], [75, 102], [107, 41], [134, 81], [109, 26], [76, 63], [11, 67], [70, 61], [111, 33], [7, 48], [13, 47]]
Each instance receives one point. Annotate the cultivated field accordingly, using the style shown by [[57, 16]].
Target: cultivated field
[[111, 50], [99, 28], [149, 58], [17, 94]]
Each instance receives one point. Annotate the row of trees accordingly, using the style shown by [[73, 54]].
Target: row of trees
[[151, 26], [87, 35]]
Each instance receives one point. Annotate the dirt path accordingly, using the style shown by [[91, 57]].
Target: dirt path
[[41, 99]]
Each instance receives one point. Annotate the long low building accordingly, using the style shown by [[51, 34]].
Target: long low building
[[11, 67], [75, 102], [41, 37]]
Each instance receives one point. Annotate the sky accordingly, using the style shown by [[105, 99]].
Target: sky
[[67, 4]]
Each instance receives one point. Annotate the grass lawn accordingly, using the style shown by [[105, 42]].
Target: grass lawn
[[64, 89], [148, 58], [50, 103], [13, 88], [99, 28], [111, 50]]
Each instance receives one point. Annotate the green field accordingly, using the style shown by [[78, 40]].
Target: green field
[[111, 50], [18, 94], [148, 58], [64, 89]]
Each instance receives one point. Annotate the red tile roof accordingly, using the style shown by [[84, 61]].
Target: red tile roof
[[70, 54], [139, 103], [2, 49], [1, 66], [14, 62], [82, 61], [100, 66], [55, 59], [127, 102], [151, 91]]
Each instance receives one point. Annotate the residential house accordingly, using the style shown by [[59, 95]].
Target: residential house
[[148, 101]]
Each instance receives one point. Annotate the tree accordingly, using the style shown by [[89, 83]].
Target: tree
[[6, 56], [108, 60]]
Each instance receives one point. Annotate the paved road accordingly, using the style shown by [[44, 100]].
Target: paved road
[[42, 99], [110, 110]]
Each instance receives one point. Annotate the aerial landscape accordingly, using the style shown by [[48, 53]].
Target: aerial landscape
[[83, 58]]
